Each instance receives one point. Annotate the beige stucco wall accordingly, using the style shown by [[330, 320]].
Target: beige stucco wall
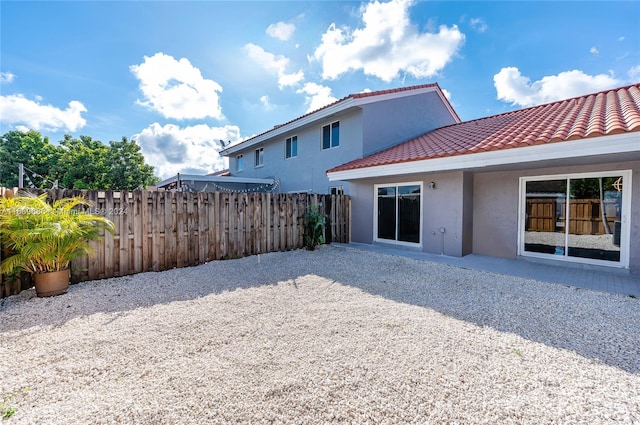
[[479, 211], [442, 207], [495, 208]]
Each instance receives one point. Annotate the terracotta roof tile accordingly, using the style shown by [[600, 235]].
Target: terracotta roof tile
[[606, 113]]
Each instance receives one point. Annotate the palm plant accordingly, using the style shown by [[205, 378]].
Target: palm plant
[[46, 237], [314, 227]]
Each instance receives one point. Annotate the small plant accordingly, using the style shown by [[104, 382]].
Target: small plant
[[518, 352], [6, 409], [314, 225]]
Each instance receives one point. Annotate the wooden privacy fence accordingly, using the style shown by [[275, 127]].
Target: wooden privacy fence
[[158, 230], [585, 215]]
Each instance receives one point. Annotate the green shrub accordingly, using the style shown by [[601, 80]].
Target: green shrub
[[314, 225]]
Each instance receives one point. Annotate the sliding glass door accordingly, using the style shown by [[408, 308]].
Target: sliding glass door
[[581, 217], [398, 208]]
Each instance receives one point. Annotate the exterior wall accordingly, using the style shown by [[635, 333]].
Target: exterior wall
[[390, 122], [479, 211], [361, 194], [467, 213], [362, 131], [307, 171], [495, 208], [442, 207]]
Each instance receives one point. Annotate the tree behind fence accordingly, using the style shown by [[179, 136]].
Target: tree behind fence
[[160, 230]]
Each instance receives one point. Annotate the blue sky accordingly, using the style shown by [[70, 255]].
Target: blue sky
[[177, 76]]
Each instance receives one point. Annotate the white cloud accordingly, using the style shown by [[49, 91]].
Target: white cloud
[[274, 64], [513, 87], [478, 24], [6, 77], [594, 50], [190, 150], [281, 30], [387, 44], [317, 96], [446, 93], [17, 109], [634, 74], [266, 102], [176, 89]]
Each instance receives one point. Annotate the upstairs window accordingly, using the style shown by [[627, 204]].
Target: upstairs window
[[331, 135], [240, 162], [291, 147], [259, 160]]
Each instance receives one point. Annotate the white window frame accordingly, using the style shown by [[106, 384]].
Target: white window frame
[[290, 140], [375, 214], [239, 162], [258, 160], [625, 217], [331, 145]]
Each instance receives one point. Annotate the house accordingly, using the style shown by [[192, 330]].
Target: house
[[298, 153], [558, 182]]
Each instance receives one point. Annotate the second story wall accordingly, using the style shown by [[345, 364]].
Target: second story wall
[[394, 121], [306, 171]]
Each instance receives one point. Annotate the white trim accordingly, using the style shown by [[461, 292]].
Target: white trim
[[241, 158], [290, 139], [625, 235], [330, 125], [375, 214], [258, 154], [604, 145]]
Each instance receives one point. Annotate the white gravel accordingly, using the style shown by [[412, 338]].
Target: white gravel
[[335, 335], [604, 242]]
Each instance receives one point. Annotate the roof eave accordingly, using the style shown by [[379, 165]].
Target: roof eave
[[603, 145], [218, 179], [339, 107]]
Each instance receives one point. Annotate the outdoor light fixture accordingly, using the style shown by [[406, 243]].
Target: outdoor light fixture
[[432, 185]]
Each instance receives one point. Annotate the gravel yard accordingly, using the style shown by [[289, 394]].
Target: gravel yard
[[329, 336]]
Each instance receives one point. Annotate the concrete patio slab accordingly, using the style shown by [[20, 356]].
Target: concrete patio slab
[[612, 280]]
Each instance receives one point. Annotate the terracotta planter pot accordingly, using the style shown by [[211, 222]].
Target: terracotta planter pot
[[53, 283]]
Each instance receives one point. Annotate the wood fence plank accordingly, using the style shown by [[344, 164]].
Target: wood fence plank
[[169, 231], [268, 223], [156, 215], [191, 238], [137, 216], [216, 228], [109, 242], [242, 229], [125, 246], [96, 246], [180, 229], [203, 224]]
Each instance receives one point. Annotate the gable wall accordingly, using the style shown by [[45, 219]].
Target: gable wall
[[390, 122]]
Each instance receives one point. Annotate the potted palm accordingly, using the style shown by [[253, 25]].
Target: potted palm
[[45, 238]]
